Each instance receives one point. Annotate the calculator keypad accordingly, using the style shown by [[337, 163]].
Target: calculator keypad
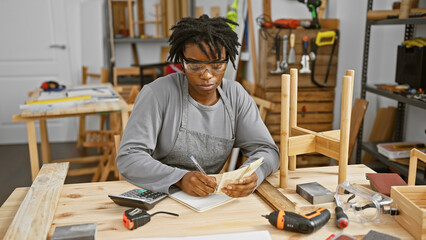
[[144, 195]]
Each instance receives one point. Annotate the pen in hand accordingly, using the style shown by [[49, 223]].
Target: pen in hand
[[197, 165]]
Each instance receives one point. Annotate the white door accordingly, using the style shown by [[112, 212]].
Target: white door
[[33, 49]]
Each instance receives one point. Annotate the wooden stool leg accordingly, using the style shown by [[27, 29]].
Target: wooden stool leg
[[345, 122], [81, 130], [293, 111], [284, 132], [101, 165]]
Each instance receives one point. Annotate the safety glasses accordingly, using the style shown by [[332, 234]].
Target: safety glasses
[[215, 67]]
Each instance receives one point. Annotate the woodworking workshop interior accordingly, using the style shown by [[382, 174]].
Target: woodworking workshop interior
[[213, 119]]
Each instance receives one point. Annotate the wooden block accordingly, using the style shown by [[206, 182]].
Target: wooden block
[[75, 232], [35, 215], [315, 193], [274, 198]]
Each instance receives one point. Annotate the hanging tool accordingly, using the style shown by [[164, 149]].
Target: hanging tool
[[323, 39], [312, 6], [294, 222], [286, 23], [305, 57], [277, 54], [292, 54], [284, 64], [342, 220]]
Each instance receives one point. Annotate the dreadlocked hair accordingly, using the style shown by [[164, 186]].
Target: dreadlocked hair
[[214, 31]]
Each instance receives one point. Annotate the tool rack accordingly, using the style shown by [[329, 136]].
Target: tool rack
[[315, 105], [371, 147]]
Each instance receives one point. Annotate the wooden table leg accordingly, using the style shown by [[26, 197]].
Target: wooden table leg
[[32, 145], [45, 146], [124, 119]]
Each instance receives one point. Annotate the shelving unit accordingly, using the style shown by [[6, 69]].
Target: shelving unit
[[111, 42], [371, 147]]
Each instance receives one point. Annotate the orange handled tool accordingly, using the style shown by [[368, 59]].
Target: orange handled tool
[[299, 223]]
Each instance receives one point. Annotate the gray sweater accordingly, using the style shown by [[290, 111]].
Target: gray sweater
[[154, 124]]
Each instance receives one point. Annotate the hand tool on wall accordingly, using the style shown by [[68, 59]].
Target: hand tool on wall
[[292, 54], [312, 6], [294, 222], [284, 64], [278, 70], [323, 39], [285, 23], [305, 57]]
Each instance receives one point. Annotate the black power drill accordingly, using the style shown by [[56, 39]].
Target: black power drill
[[299, 223], [312, 6]]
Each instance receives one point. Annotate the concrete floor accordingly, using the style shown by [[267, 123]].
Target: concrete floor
[[15, 165]]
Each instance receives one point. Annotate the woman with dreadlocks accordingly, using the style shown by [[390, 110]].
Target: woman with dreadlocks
[[198, 113]]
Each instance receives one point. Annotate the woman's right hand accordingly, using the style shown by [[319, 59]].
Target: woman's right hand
[[197, 184]]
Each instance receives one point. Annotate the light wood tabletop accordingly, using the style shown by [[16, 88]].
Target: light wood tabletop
[[80, 110], [89, 203]]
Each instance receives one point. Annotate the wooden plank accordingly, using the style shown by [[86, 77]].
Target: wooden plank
[[274, 198], [252, 44], [383, 127], [130, 18], [141, 17], [267, 8], [328, 146], [309, 107], [303, 95], [331, 134], [163, 8], [170, 13], [184, 8], [357, 116], [35, 215], [301, 145], [272, 118]]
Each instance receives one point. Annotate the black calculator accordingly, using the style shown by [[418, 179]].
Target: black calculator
[[139, 198]]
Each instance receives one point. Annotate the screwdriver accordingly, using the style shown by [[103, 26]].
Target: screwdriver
[[342, 220]]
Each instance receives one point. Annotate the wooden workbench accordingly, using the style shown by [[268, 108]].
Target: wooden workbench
[[88, 202], [80, 110]]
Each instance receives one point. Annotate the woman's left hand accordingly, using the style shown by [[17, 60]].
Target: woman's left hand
[[243, 188]]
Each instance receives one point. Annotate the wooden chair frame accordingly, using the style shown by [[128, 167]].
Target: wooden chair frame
[[295, 140]]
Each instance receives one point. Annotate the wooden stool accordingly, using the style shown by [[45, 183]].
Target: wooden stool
[[103, 139], [295, 140]]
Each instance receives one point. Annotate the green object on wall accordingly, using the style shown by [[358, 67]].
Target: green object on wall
[[232, 14]]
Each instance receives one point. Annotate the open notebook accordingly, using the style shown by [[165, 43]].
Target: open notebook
[[201, 204]]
